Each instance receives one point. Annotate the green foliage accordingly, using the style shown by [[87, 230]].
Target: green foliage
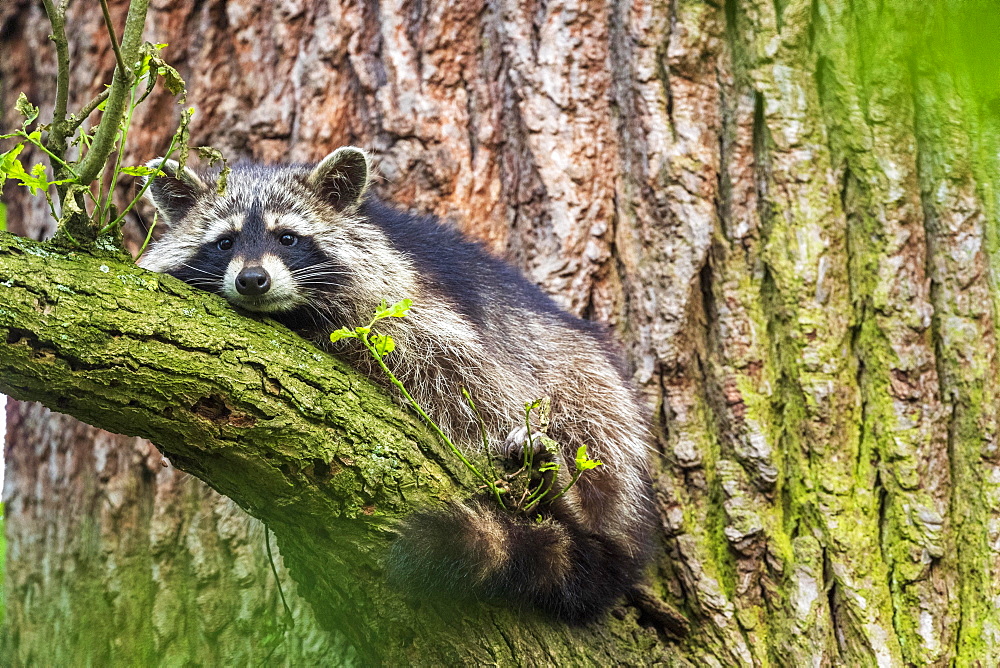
[[39, 179], [76, 193], [26, 109], [398, 310], [140, 170], [583, 462], [11, 167], [211, 156], [535, 482]]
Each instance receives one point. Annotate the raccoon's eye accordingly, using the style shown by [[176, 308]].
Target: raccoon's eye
[[225, 243], [288, 239]]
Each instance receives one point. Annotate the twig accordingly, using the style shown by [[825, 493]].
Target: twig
[[79, 118], [114, 38], [107, 129], [57, 18], [427, 418], [142, 191], [53, 156], [277, 580], [149, 235], [108, 205], [57, 135]]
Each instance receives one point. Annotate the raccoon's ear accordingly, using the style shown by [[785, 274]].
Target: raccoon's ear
[[342, 178], [175, 190]]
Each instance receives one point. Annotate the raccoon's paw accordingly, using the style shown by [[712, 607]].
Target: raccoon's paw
[[516, 443]]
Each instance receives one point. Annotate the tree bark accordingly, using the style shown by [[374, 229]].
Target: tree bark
[[785, 210]]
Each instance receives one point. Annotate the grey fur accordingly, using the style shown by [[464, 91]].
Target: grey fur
[[512, 356]]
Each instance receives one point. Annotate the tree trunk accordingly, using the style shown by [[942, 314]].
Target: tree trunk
[[785, 210]]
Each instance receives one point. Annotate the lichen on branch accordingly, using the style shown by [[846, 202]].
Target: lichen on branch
[[143, 354]]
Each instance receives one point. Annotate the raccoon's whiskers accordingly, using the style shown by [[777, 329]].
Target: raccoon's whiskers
[[314, 282], [210, 274], [319, 265], [309, 272]]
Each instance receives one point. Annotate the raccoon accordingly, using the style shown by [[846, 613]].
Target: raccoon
[[310, 247]]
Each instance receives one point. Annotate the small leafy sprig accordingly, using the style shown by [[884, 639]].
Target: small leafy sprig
[[80, 188], [381, 345], [10, 166], [66, 177], [549, 467]]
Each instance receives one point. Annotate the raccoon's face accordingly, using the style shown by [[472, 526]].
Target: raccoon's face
[[261, 243]]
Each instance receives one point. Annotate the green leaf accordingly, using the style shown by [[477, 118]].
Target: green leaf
[[212, 155], [172, 80], [142, 67], [34, 181], [151, 62], [139, 170], [28, 110], [7, 161], [548, 444], [383, 344], [398, 310], [583, 462], [183, 136], [222, 180], [544, 408], [342, 333], [16, 171]]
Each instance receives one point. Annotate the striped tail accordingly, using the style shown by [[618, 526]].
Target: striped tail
[[552, 563]]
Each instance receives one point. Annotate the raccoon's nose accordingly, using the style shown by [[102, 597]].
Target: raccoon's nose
[[253, 281]]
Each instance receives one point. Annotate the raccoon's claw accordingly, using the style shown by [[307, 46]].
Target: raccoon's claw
[[517, 440]]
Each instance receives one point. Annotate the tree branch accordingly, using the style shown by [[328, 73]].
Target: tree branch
[[104, 138], [114, 38], [293, 435], [55, 140], [57, 18], [87, 110]]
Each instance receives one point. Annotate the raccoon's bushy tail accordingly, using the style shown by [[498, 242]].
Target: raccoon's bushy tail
[[473, 550]]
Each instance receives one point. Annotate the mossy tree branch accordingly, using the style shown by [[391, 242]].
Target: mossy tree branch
[[293, 435]]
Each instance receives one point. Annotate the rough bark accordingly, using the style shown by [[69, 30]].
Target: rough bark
[[785, 209]]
